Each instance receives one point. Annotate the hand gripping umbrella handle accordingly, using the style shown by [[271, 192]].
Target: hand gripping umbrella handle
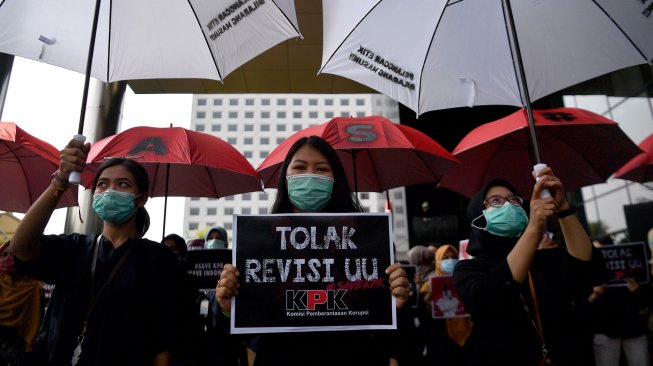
[[75, 176], [537, 167]]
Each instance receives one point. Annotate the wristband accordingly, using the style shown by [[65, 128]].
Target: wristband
[[60, 182], [566, 212]]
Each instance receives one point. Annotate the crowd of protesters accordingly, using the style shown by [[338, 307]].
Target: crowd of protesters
[[532, 292]]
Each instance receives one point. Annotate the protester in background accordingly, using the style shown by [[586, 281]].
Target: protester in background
[[444, 337], [423, 258], [494, 284], [177, 244], [115, 295], [620, 323], [313, 164], [216, 238]]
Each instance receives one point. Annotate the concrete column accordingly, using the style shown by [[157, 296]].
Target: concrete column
[[6, 64], [103, 117]]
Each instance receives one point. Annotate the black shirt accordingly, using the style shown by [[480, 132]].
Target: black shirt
[[132, 319]]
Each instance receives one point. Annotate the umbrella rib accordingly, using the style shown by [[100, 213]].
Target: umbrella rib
[[217, 69], [109, 41], [22, 168], [286, 16], [346, 37], [622, 32], [426, 55]]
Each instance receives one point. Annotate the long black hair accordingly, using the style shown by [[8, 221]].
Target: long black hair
[[342, 198], [142, 182]]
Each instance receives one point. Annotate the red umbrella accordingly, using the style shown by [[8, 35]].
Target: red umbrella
[[377, 154], [179, 162], [640, 168], [26, 166], [582, 147]]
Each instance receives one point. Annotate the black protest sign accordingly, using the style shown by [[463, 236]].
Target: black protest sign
[[312, 272], [206, 265], [413, 294], [626, 261]]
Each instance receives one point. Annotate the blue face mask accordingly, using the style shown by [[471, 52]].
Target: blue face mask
[[309, 192], [507, 221], [114, 207], [216, 244], [447, 265]]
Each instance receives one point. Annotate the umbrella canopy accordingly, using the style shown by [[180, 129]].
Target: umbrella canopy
[[439, 54], [179, 162], [640, 168], [146, 39], [376, 153], [26, 166], [582, 147]]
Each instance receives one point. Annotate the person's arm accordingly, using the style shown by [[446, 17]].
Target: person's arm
[[162, 359], [25, 242], [578, 242], [521, 256], [398, 283]]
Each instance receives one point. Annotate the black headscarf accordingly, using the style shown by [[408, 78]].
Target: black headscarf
[[481, 242]]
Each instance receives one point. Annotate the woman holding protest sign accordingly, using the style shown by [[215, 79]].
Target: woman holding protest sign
[[494, 285], [313, 180]]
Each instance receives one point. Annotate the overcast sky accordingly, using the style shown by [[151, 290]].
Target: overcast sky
[[45, 101]]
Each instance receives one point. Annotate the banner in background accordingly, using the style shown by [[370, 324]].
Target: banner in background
[[629, 260]]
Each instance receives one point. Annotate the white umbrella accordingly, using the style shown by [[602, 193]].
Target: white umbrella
[[146, 39], [438, 54]]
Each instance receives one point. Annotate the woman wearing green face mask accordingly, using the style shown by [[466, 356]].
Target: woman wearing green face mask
[[313, 180], [494, 284], [115, 292]]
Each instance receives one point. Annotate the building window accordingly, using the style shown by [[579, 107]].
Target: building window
[[360, 101], [365, 196], [281, 114], [400, 223], [398, 195], [398, 209], [247, 196], [265, 101], [201, 101], [216, 128], [249, 115], [232, 140], [265, 114], [296, 127], [229, 198], [263, 196], [194, 198], [217, 101], [344, 101], [193, 226], [248, 141], [233, 101], [246, 211], [232, 127], [217, 114], [281, 101], [263, 154], [312, 101], [328, 101], [344, 114], [194, 211], [262, 210], [280, 140], [360, 114], [328, 114], [228, 210], [248, 154], [227, 225], [199, 128], [233, 114], [296, 101], [264, 140], [312, 114], [297, 114], [281, 128], [265, 127], [249, 127], [212, 211], [200, 115], [249, 101]]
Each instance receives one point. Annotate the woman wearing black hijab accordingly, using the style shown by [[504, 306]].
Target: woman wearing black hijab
[[494, 284]]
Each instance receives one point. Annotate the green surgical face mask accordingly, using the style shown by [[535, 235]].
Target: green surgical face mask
[[309, 192], [508, 220], [114, 207]]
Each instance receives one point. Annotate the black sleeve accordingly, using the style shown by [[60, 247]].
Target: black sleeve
[[483, 287], [165, 301]]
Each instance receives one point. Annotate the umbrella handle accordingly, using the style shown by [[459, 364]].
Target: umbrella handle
[[545, 193], [75, 177]]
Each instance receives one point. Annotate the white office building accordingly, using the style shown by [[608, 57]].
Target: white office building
[[257, 123]]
